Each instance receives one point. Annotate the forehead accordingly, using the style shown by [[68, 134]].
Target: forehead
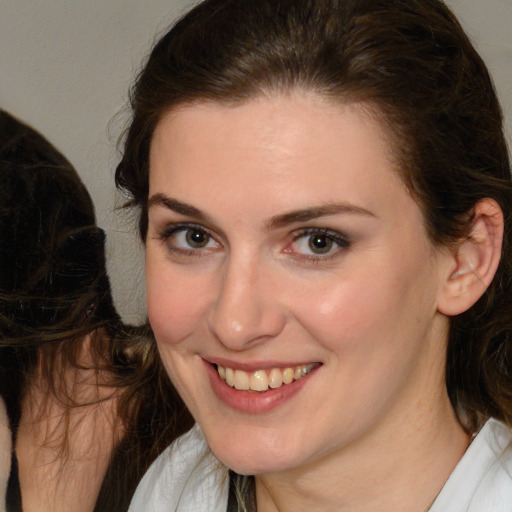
[[295, 148]]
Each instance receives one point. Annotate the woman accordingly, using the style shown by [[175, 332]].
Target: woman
[[82, 401], [325, 200]]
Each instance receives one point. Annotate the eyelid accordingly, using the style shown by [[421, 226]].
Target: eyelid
[[170, 223], [342, 241], [171, 229], [336, 236]]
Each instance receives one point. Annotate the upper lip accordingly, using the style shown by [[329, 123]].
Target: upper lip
[[253, 366]]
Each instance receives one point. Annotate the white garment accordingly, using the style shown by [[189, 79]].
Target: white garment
[[482, 480], [188, 478]]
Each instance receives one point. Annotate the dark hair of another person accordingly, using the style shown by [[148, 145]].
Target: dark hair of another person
[[411, 64], [54, 291]]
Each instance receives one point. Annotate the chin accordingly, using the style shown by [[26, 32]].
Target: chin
[[255, 458], [255, 467]]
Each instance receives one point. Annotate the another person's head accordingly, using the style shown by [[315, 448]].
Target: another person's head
[[57, 318], [242, 114], [53, 276], [54, 289]]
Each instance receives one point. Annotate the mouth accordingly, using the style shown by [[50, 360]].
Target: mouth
[[260, 381]]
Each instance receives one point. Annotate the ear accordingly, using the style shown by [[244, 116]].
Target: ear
[[474, 260]]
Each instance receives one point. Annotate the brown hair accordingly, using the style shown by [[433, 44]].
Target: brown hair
[[55, 295], [412, 62]]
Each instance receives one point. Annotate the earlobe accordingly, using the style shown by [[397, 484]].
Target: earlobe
[[474, 261]]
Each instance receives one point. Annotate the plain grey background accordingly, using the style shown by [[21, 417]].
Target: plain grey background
[[66, 66]]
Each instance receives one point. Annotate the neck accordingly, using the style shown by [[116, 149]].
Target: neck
[[401, 466]]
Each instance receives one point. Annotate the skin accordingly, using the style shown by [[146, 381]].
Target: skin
[[5, 451], [52, 475], [372, 428]]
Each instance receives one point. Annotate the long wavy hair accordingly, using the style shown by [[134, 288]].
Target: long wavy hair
[[55, 292]]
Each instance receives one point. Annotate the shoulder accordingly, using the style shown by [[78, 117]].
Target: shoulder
[[186, 477], [482, 480]]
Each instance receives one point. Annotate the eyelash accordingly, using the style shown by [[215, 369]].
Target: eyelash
[[340, 240], [174, 229]]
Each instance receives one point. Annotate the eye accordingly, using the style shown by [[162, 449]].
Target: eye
[[188, 238], [317, 243], [320, 243], [193, 237]]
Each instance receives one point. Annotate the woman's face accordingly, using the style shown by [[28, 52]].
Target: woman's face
[[291, 285]]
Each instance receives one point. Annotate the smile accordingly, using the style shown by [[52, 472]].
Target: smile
[[262, 380]]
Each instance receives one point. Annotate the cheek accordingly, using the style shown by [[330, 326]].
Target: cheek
[[340, 318], [368, 311], [174, 303]]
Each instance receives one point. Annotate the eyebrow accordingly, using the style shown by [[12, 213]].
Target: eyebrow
[[176, 206], [277, 221], [316, 212]]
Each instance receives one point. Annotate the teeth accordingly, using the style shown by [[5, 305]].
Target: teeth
[[261, 380], [230, 377], [275, 378], [288, 375], [241, 380]]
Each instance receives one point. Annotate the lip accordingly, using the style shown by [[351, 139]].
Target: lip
[[253, 402], [255, 366]]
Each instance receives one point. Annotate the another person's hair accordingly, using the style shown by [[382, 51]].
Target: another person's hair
[[54, 291], [411, 64], [53, 284]]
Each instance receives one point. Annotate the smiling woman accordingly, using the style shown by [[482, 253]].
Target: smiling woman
[[326, 204], [285, 282]]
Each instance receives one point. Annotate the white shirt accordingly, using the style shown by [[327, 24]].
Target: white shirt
[[187, 477], [482, 480]]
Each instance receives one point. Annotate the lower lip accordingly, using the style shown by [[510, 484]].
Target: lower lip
[[254, 402]]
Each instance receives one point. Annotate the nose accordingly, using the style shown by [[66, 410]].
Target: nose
[[246, 310]]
